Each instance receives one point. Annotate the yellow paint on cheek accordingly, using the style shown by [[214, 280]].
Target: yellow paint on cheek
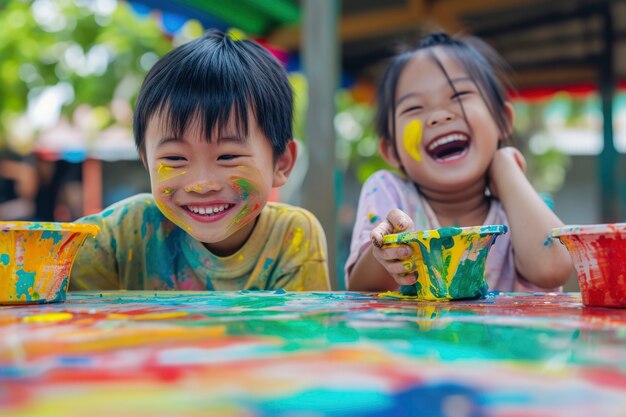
[[413, 138], [166, 172], [172, 216]]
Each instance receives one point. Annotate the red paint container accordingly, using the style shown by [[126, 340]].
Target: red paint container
[[599, 254]]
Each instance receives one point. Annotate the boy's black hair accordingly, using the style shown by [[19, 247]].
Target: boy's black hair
[[484, 66], [216, 77]]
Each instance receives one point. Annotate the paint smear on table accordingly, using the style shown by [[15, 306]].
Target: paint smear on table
[[323, 354]]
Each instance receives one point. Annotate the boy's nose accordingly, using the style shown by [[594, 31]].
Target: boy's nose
[[202, 187]]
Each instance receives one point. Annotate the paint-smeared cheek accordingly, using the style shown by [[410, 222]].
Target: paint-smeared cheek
[[165, 172], [250, 191], [412, 138]]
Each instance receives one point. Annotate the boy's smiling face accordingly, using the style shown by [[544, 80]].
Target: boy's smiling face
[[213, 190]]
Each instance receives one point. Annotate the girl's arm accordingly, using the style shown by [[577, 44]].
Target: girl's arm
[[538, 258]]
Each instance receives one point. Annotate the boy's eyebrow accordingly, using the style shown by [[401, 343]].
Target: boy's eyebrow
[[232, 138], [167, 139]]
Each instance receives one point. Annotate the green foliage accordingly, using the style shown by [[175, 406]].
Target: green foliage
[[100, 54]]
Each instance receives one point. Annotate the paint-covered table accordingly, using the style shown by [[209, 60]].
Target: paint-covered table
[[309, 354]]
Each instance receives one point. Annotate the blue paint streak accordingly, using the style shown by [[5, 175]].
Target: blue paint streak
[[25, 281], [56, 236]]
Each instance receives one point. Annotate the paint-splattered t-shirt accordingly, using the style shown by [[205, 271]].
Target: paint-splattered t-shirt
[[384, 191], [138, 248]]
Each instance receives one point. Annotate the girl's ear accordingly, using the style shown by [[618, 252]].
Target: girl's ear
[[509, 114], [284, 164], [388, 152]]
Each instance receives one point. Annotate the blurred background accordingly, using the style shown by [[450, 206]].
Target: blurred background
[[70, 72]]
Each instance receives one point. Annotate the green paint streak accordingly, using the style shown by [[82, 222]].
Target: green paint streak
[[5, 259], [244, 188], [244, 211]]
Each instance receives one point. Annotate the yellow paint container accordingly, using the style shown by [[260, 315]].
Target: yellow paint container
[[450, 261], [36, 259]]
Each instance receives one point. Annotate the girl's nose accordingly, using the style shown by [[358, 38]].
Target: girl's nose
[[202, 187], [439, 117]]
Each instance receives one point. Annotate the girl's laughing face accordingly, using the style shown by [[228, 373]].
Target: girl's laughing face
[[445, 135]]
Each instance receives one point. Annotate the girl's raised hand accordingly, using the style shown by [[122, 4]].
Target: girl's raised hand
[[397, 260], [504, 160]]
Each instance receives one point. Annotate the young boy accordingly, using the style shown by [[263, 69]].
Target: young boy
[[213, 126]]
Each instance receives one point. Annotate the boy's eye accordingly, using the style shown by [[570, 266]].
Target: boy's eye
[[227, 157], [174, 158]]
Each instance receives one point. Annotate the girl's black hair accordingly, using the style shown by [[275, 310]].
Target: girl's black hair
[[483, 65], [216, 77]]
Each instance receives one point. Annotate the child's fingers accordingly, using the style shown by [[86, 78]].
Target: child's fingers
[[401, 267], [395, 253], [399, 220], [382, 229], [406, 279]]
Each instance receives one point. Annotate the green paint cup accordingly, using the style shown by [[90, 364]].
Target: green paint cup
[[450, 261]]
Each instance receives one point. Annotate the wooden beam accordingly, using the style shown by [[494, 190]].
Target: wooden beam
[[414, 15], [555, 76]]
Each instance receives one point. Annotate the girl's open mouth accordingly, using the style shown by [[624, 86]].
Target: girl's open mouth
[[449, 148]]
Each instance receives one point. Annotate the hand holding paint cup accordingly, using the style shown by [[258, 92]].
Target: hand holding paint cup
[[449, 262], [398, 261]]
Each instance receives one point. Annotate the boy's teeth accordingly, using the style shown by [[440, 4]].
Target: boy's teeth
[[446, 139], [208, 210]]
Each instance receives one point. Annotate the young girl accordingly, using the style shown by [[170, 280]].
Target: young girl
[[443, 116]]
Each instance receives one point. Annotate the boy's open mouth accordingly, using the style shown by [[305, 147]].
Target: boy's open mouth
[[209, 212], [449, 147]]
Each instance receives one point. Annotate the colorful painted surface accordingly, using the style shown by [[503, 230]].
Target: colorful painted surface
[[36, 259], [599, 254], [314, 354], [450, 261]]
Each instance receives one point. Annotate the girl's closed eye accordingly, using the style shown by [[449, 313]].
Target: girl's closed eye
[[412, 109], [460, 94]]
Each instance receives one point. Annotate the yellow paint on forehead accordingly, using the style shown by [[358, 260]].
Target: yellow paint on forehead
[[166, 172], [413, 138]]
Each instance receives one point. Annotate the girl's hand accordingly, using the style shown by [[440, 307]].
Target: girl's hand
[[507, 158], [398, 260]]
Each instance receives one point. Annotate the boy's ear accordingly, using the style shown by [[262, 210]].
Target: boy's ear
[[142, 156], [284, 164], [388, 152]]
